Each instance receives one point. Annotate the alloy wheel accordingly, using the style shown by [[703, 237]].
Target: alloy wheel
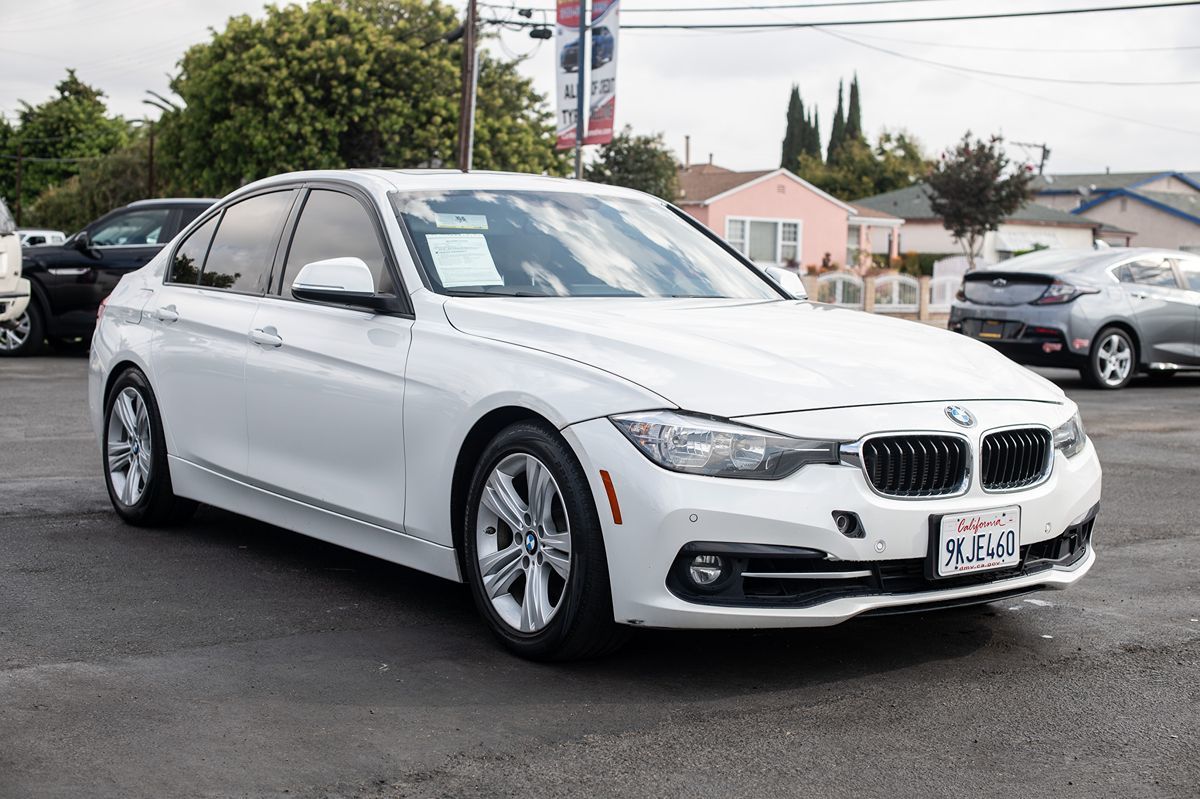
[[523, 543], [1114, 359], [13, 338], [129, 445]]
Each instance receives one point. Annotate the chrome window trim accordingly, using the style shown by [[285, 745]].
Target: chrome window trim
[[851, 455], [1047, 467]]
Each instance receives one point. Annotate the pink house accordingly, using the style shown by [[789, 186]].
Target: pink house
[[777, 218]]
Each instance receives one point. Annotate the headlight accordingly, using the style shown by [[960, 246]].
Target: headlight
[[1069, 437], [699, 445]]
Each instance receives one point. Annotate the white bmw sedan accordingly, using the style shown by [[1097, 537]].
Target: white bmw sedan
[[580, 402]]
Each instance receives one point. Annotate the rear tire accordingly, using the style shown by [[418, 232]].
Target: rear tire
[[540, 582], [24, 335], [1112, 361], [135, 456]]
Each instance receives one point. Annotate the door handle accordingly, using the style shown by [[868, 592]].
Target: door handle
[[167, 313], [266, 337], [1141, 295]]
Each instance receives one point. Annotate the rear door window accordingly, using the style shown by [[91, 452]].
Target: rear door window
[[1149, 272], [244, 246], [189, 255]]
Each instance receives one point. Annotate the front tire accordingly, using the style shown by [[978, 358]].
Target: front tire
[[534, 550], [135, 456], [1112, 361], [24, 335]]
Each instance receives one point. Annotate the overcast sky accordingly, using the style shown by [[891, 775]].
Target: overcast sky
[[728, 91]]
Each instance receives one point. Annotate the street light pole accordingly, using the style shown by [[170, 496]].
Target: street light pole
[[466, 113], [580, 124]]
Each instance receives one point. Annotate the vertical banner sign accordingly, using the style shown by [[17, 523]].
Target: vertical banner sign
[[603, 52], [566, 40]]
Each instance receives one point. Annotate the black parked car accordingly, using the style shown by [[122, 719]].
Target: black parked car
[[69, 280]]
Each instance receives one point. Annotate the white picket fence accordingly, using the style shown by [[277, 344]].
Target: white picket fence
[[889, 294]]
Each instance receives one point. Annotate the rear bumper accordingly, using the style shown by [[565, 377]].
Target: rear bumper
[[1055, 336]]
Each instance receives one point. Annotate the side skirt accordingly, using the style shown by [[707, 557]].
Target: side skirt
[[204, 485]]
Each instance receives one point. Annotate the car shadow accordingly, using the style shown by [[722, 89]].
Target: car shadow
[[655, 663], [1070, 380]]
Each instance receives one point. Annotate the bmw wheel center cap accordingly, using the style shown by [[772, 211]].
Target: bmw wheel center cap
[[531, 542], [960, 415]]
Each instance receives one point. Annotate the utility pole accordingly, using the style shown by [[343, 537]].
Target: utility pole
[[150, 164], [1038, 146], [470, 73], [580, 122]]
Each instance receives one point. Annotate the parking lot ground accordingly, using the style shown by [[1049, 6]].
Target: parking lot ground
[[231, 658]]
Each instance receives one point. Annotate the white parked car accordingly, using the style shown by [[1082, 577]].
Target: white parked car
[[580, 402], [14, 289], [40, 238]]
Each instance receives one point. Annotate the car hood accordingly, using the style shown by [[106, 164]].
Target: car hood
[[741, 357]]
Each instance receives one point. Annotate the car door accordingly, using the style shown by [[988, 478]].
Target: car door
[[77, 279], [202, 317], [325, 383], [1189, 272], [1165, 319]]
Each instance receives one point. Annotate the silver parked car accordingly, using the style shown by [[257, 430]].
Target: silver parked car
[[1107, 313]]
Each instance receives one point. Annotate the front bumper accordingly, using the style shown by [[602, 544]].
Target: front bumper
[[662, 512], [13, 303]]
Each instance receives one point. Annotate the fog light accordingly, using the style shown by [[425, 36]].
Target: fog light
[[848, 524], [706, 569]]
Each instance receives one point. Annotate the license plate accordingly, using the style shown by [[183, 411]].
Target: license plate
[[991, 328], [978, 541]]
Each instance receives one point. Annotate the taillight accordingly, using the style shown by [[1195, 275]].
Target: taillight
[[100, 310], [1059, 292]]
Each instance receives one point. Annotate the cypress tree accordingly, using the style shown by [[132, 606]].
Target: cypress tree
[[854, 115], [793, 138], [813, 147], [837, 133]]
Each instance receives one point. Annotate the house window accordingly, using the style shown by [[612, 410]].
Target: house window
[[765, 241]]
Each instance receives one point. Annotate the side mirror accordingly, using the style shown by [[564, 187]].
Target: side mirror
[[82, 242], [789, 281], [344, 281]]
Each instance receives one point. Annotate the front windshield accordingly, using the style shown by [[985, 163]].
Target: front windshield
[[561, 244]]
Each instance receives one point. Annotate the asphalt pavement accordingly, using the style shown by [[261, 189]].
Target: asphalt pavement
[[232, 658]]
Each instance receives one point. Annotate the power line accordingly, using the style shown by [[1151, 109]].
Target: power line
[[1054, 50], [765, 26], [705, 9], [1014, 76], [1051, 100]]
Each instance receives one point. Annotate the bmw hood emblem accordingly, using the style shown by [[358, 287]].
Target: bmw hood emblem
[[960, 415]]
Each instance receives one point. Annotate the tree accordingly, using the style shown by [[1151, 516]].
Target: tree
[[837, 133], [343, 83], [796, 136], [854, 114], [974, 188], [813, 146], [56, 137], [861, 170], [637, 162], [101, 185]]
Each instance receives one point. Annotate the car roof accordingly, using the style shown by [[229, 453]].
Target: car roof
[[1061, 260], [171, 201], [446, 180]]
